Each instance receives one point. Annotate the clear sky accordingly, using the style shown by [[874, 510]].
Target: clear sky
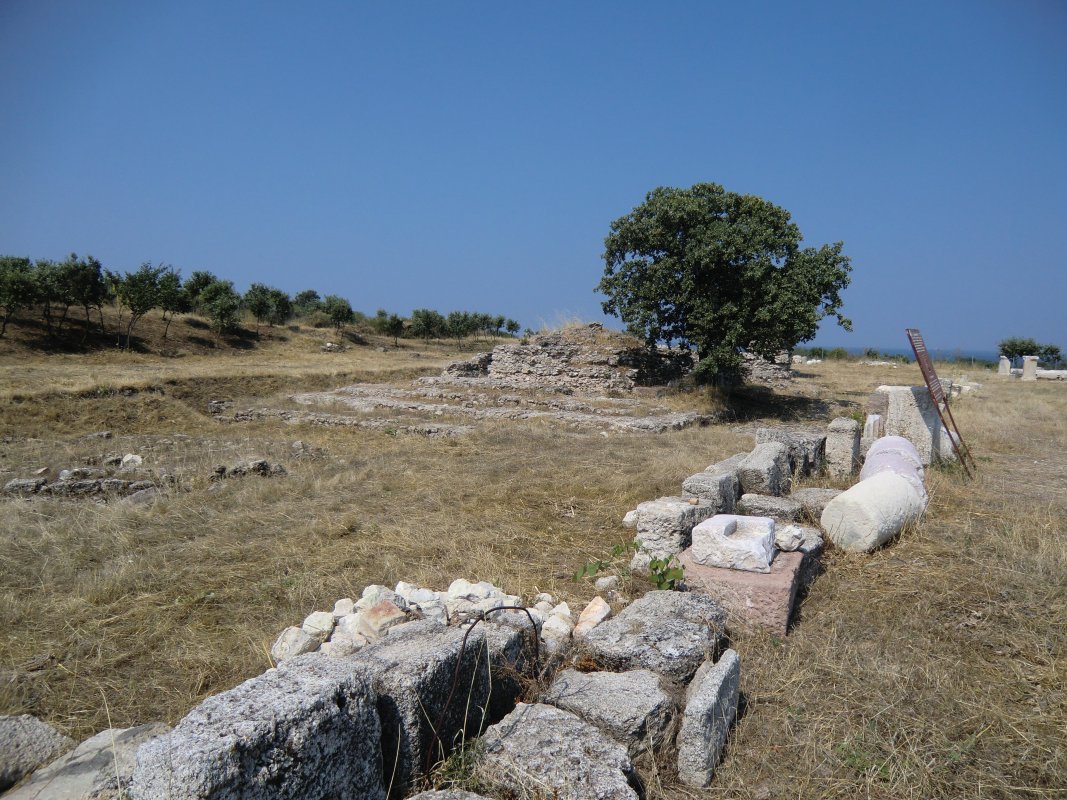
[[473, 154]]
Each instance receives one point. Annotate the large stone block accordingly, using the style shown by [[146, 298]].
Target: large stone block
[[414, 672], [1029, 368], [911, 413], [539, 751], [718, 490], [25, 744], [813, 501], [98, 768], [631, 707], [735, 542], [665, 526], [710, 709], [765, 470], [807, 449], [842, 447], [765, 505], [753, 599], [872, 512], [308, 729], [670, 633]]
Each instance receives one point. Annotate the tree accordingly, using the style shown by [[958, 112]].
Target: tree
[[258, 300], [719, 272], [18, 290], [53, 292], [512, 327], [427, 324], [459, 324], [222, 305], [338, 310], [281, 308], [84, 284], [388, 324], [139, 292], [1016, 346], [199, 280], [306, 302], [173, 299]]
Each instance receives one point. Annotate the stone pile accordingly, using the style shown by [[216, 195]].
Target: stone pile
[[776, 373], [118, 478]]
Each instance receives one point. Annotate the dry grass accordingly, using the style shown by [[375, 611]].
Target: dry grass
[[933, 668]]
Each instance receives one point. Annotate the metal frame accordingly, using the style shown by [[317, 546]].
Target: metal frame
[[937, 394]]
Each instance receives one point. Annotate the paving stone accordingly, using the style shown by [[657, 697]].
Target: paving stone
[[710, 709], [631, 707], [539, 751], [670, 633]]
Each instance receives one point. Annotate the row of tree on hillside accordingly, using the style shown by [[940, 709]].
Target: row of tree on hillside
[[53, 288]]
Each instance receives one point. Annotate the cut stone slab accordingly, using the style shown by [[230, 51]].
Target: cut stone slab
[[413, 673], [751, 599], [540, 751], [911, 413], [307, 729], [735, 542], [710, 709], [807, 449], [813, 501], [765, 505], [664, 526], [872, 512], [842, 447], [765, 470], [25, 744], [628, 706], [719, 490], [670, 633], [100, 767]]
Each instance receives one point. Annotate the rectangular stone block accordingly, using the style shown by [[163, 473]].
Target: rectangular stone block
[[807, 449], [753, 599], [735, 542], [665, 526], [842, 447], [765, 470], [911, 413], [710, 709], [719, 490]]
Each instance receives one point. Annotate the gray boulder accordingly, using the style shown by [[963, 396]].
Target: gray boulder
[[414, 672], [710, 708], [727, 466], [670, 633], [99, 767], [24, 485], [628, 706], [539, 751], [807, 449], [25, 744], [764, 505], [308, 729], [765, 470]]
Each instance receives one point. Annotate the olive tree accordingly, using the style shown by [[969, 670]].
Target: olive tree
[[222, 305], [719, 272], [18, 290], [139, 292], [338, 310]]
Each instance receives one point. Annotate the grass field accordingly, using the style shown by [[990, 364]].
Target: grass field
[[934, 668]]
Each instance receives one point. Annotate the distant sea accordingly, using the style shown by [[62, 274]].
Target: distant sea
[[936, 353]]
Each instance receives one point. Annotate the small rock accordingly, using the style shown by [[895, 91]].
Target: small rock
[[596, 612], [343, 607], [607, 583], [143, 497], [798, 537], [292, 642], [319, 624], [376, 620], [131, 460], [562, 610]]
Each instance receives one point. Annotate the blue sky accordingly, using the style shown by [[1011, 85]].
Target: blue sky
[[472, 155]]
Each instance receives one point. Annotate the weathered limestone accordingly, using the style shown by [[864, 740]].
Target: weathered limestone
[[711, 705], [842, 447], [1029, 368], [897, 462], [719, 491], [25, 744], [735, 542], [753, 599], [670, 633], [1004, 367], [96, 768], [807, 449], [764, 505], [872, 512], [307, 729], [788, 538], [596, 612], [412, 674], [765, 470], [665, 527], [911, 413], [292, 642], [540, 751], [813, 501], [628, 706]]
